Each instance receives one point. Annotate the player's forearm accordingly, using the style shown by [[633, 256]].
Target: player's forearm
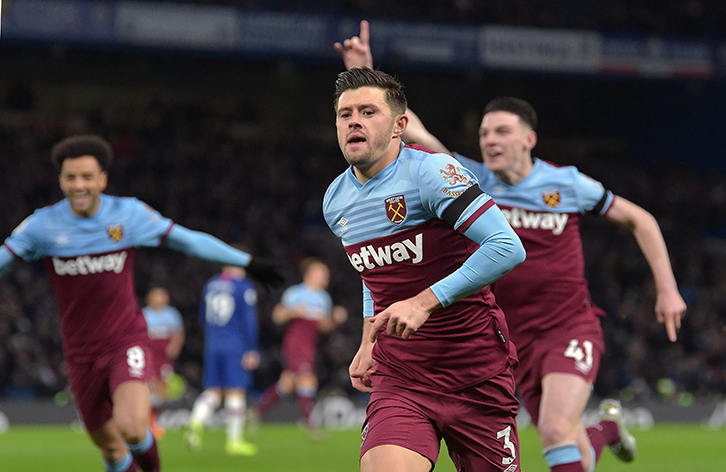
[[499, 252], [175, 345], [416, 132], [650, 240], [366, 342]]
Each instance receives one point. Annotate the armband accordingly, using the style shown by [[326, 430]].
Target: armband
[[457, 207]]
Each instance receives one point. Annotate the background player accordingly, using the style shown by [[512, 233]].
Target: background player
[[553, 321], [427, 242], [166, 333], [308, 310], [228, 312], [88, 244]]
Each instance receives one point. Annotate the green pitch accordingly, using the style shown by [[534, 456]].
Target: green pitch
[[287, 448]]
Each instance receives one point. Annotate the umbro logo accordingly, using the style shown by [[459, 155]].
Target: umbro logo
[[343, 221]]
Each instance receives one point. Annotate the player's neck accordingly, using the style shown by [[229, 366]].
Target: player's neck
[[364, 172], [516, 173]]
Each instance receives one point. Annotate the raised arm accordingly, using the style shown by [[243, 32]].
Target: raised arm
[[417, 133], [356, 52], [669, 305]]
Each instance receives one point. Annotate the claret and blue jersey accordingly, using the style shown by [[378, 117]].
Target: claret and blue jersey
[[393, 229], [90, 263], [545, 209]]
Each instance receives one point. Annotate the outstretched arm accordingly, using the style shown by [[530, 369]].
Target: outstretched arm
[[207, 247], [669, 305], [356, 52]]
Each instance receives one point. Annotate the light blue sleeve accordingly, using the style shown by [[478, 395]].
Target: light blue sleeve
[[25, 241], [367, 302], [178, 323], [442, 179], [205, 246], [499, 252], [291, 297], [590, 192], [479, 169], [149, 226]]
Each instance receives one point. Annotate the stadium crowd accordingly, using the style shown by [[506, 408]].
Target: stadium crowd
[[246, 179], [676, 17]]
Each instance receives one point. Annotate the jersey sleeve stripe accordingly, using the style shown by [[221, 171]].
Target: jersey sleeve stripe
[[465, 225], [11, 251], [600, 207], [162, 240]]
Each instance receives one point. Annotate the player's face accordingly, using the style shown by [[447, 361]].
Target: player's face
[[505, 142], [158, 298], [365, 125], [82, 181], [318, 276]]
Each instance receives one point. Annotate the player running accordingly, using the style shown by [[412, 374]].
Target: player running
[[553, 321], [88, 242], [435, 353]]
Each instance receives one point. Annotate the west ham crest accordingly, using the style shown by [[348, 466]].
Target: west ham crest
[[115, 232], [551, 198], [396, 209]]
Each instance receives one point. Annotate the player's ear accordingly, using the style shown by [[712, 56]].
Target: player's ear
[[104, 180], [399, 126], [531, 139]]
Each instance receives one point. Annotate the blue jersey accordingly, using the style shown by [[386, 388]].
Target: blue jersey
[[228, 312], [90, 264], [549, 289], [393, 229]]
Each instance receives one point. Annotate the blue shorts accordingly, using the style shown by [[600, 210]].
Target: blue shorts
[[224, 370]]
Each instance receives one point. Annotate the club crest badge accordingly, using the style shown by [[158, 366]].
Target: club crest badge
[[551, 198], [396, 209], [115, 232]]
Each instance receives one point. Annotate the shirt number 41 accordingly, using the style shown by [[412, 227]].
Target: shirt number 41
[[581, 353]]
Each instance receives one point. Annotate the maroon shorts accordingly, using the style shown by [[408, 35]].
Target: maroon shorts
[[576, 350], [478, 423], [162, 366], [299, 346], [93, 383]]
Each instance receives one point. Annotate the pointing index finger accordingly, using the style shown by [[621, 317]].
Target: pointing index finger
[[365, 33]]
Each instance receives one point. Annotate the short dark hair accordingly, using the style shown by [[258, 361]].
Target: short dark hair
[[82, 145], [519, 107], [356, 78]]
